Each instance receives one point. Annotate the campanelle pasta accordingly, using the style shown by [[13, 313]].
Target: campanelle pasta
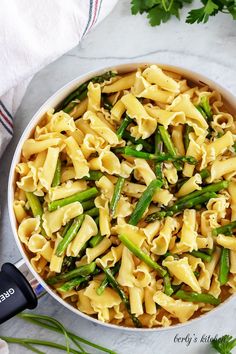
[[125, 198]]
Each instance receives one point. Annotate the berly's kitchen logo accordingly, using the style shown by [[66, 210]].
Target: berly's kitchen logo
[[193, 338]]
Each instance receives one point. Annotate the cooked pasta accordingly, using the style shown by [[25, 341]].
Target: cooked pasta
[[125, 198]]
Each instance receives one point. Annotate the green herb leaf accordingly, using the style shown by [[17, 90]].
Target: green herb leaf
[[232, 9], [202, 14], [160, 11], [140, 6], [158, 15], [224, 345], [136, 7]]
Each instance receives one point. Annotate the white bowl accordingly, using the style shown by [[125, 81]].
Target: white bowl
[[53, 101]]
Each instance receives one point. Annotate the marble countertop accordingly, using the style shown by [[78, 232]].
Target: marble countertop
[[209, 49]]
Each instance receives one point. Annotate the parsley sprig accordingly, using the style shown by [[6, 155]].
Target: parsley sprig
[[224, 345], [160, 11]]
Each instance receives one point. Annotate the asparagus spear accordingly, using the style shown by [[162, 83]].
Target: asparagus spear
[[70, 235], [97, 221], [106, 103], [66, 228], [197, 200], [77, 197], [68, 263], [95, 240], [167, 140], [176, 287], [203, 113], [158, 142], [144, 201], [138, 147], [126, 121], [225, 230], [159, 215], [92, 212], [105, 282], [116, 195], [158, 150], [69, 108], [83, 249], [158, 171], [113, 282], [167, 285], [89, 204], [71, 284], [129, 151], [205, 257], [214, 187], [141, 255], [57, 175], [148, 147], [204, 173], [195, 297], [205, 104], [93, 176], [36, 208], [169, 145], [83, 270], [224, 266], [186, 205], [209, 251], [81, 92], [187, 131], [34, 203], [205, 109]]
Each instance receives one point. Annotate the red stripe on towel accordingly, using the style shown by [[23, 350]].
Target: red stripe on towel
[[95, 13], [6, 119]]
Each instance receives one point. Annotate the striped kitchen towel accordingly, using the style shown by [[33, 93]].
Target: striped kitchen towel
[[33, 34]]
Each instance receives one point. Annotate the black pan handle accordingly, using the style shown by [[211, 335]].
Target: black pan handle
[[16, 294]]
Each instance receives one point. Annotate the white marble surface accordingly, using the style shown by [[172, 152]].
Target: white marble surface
[[209, 49]]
